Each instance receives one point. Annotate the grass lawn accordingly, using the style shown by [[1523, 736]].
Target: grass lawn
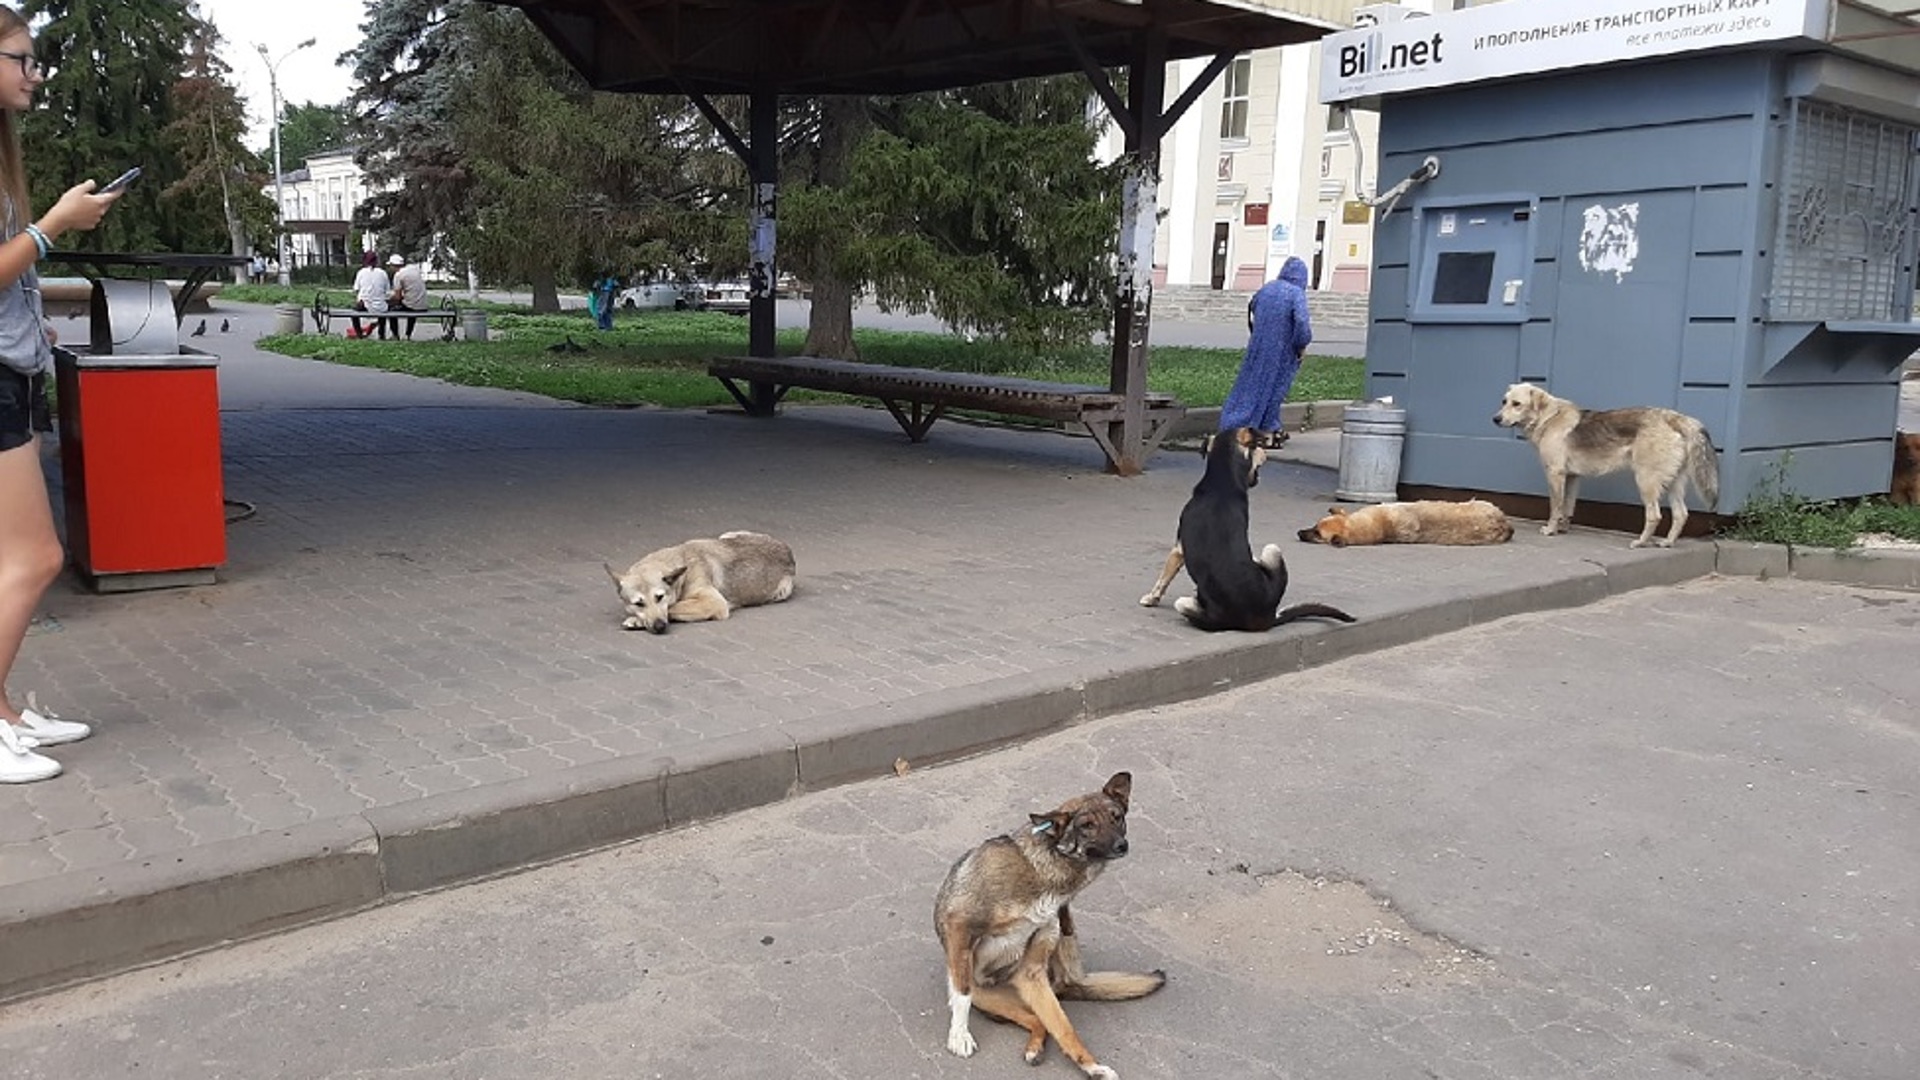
[[659, 358]]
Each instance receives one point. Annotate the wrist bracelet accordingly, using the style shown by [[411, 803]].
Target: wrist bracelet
[[39, 239]]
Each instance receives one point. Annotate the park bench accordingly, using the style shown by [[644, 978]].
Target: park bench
[[918, 396], [445, 313]]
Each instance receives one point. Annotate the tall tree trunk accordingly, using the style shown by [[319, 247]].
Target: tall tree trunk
[[843, 123], [546, 292], [830, 319], [236, 231]]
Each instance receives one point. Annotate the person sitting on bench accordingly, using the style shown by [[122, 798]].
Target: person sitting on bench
[[409, 288], [370, 291]]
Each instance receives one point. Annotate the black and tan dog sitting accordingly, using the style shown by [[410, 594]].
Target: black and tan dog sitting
[[1005, 926], [1232, 590]]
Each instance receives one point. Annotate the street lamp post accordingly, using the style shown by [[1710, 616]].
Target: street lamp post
[[279, 189]]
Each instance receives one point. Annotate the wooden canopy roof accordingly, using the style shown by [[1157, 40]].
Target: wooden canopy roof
[[897, 46]]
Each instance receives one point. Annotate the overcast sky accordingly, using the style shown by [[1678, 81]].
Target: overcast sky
[[306, 76]]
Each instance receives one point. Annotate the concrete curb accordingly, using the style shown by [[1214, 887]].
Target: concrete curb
[[85, 925], [1294, 416]]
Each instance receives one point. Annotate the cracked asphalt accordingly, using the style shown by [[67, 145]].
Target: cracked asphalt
[[1667, 835]]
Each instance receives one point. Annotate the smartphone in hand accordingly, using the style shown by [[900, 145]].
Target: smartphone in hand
[[119, 182]]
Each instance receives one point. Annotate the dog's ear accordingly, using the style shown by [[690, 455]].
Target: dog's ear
[[1337, 540], [1054, 824], [1206, 446], [612, 573], [674, 575], [1119, 789], [1336, 511], [1243, 436]]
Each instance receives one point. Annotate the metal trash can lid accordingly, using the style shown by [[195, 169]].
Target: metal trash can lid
[[133, 317], [84, 358], [1377, 412]]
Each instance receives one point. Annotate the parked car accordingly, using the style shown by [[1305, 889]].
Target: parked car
[[727, 296], [661, 295]]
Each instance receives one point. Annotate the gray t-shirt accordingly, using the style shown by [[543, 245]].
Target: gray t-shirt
[[23, 331], [411, 284]]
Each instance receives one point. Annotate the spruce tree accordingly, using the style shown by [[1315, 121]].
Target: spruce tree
[[106, 108]]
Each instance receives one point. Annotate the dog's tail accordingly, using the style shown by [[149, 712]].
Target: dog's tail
[[1111, 986], [1311, 611], [1702, 466]]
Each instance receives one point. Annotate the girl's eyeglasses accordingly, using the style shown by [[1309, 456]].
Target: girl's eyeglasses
[[30, 65]]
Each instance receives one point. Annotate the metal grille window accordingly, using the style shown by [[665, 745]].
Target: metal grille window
[[1234, 96], [1846, 245]]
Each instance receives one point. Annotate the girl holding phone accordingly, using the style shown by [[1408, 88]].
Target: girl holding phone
[[30, 553]]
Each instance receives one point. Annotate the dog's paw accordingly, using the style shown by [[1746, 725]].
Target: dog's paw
[[1101, 1072], [633, 623], [1187, 605], [960, 1042], [1152, 599], [1549, 528]]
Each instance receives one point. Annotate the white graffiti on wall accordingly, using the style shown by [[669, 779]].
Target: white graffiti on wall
[[1610, 239]]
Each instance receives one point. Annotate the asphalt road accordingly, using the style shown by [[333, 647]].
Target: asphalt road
[[1668, 835]]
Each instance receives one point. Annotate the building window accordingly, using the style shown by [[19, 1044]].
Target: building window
[[1233, 99], [1846, 246]]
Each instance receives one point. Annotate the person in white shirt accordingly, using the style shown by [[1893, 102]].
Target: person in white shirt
[[409, 288], [370, 290]]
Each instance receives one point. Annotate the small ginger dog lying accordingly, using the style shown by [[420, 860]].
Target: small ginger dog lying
[[1425, 522]]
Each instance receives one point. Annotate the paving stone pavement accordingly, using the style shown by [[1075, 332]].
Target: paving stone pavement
[[1664, 836], [414, 613]]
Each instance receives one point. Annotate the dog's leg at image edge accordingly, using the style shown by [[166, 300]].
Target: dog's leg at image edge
[[1004, 1003], [1175, 560], [1651, 491], [1072, 981], [1563, 490], [700, 605], [959, 989], [1677, 499], [1030, 982]]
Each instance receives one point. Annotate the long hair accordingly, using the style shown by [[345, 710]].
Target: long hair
[[13, 168]]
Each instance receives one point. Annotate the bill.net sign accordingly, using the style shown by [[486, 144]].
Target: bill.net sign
[[1522, 37]]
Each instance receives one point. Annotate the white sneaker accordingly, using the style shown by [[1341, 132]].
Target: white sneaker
[[19, 765], [46, 728]]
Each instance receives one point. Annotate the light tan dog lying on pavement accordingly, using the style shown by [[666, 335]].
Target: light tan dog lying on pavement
[[1429, 521], [704, 579]]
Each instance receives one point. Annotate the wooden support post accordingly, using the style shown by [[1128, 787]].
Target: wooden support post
[[763, 128], [1146, 87]]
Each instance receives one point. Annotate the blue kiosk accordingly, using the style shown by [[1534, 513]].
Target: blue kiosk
[[1710, 205]]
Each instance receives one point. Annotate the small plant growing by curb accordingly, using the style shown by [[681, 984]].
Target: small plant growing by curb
[[1776, 514]]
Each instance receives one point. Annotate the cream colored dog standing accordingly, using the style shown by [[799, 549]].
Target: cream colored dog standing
[[1665, 448], [704, 579]]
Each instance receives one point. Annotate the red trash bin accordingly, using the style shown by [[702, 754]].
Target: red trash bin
[[140, 458]]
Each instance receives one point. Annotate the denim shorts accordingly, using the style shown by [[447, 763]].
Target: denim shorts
[[23, 407]]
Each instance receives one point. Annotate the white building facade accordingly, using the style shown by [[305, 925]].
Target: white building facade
[[1257, 170], [318, 204]]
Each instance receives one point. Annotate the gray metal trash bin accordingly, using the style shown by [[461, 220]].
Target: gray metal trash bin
[[473, 324], [1371, 435], [286, 318]]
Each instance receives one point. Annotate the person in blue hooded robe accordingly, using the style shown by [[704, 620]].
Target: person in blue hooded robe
[[1279, 332]]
